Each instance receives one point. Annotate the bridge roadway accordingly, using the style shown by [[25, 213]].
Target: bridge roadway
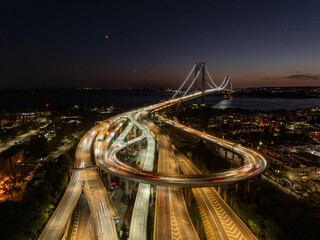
[[253, 162], [139, 220], [98, 199], [250, 168], [172, 220], [219, 220], [253, 165], [138, 226]]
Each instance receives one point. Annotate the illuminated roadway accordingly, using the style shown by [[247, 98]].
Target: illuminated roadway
[[172, 220], [253, 164], [99, 202], [219, 220], [95, 193]]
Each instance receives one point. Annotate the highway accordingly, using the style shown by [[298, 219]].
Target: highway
[[253, 165], [95, 193], [170, 204], [219, 220], [172, 220], [21, 138], [139, 220]]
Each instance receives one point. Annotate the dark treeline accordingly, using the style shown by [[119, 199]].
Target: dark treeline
[[26, 219], [272, 214]]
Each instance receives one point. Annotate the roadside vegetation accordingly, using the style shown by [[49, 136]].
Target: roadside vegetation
[[270, 213], [26, 219]]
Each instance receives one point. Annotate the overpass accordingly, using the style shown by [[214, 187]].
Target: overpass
[[168, 181]]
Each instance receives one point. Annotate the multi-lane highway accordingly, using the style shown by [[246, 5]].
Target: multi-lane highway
[[172, 220], [253, 165], [219, 220], [94, 190]]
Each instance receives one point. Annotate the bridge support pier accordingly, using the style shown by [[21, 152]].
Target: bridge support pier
[[259, 182], [152, 195], [127, 188], [225, 196], [219, 190], [108, 181], [187, 193], [247, 187]]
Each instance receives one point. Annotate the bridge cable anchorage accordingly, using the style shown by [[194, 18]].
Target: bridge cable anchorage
[[184, 82], [194, 80]]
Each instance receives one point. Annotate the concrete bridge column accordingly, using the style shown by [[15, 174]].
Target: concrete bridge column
[[225, 196], [237, 187], [187, 192], [232, 162], [108, 181], [247, 187], [152, 195], [127, 187], [100, 173], [120, 181], [219, 190], [259, 181]]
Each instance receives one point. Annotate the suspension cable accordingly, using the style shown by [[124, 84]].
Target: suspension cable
[[211, 78], [210, 85], [184, 82], [193, 81], [227, 79]]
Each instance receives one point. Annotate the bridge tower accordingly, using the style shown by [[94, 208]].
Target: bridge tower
[[230, 85], [200, 66]]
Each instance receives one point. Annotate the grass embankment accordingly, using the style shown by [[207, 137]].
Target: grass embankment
[[150, 224], [196, 218]]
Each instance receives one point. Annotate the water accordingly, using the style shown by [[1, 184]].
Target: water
[[136, 97], [91, 98], [263, 104]]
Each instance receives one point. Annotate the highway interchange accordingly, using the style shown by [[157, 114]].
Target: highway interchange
[[101, 146]]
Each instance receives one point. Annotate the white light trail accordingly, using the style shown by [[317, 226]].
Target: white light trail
[[184, 82], [193, 81]]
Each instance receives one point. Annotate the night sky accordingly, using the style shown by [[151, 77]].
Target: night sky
[[155, 43]]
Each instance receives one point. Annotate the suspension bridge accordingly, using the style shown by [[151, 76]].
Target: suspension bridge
[[135, 133]]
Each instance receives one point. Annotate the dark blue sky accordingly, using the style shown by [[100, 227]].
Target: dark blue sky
[[155, 43]]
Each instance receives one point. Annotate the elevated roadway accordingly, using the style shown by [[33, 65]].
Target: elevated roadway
[[99, 199], [172, 220], [106, 158], [219, 220]]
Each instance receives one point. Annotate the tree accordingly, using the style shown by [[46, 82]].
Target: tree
[[11, 185], [273, 231]]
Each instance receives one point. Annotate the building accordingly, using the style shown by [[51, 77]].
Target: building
[[9, 159]]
